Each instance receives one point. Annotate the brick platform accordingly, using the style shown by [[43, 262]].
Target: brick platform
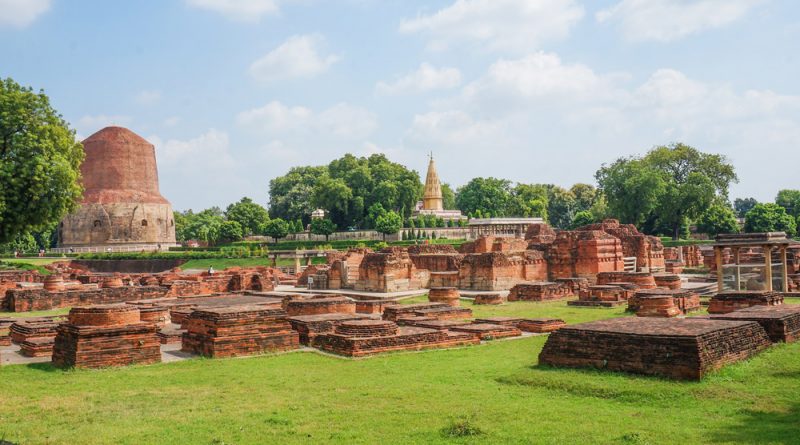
[[310, 326], [644, 280], [782, 323], [663, 302], [5, 331], [488, 331], [408, 338], [26, 329], [575, 285], [444, 313], [508, 321], [393, 312], [438, 324], [325, 305], [541, 325], [372, 306], [668, 280], [675, 348], [447, 295], [37, 347], [101, 336], [170, 334], [491, 299], [237, 331], [729, 301], [601, 296], [539, 291]]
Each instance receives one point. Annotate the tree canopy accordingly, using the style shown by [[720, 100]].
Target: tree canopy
[[668, 186], [277, 228], [250, 216], [743, 205], [789, 200], [322, 226], [39, 162], [388, 223], [718, 218], [346, 188], [769, 217]]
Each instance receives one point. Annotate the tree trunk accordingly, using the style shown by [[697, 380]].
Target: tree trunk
[[676, 231]]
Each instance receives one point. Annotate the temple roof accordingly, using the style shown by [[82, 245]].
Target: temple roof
[[433, 188]]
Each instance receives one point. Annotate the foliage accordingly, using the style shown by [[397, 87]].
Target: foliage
[[582, 218], [490, 195], [39, 162], [769, 217], [323, 226], [231, 231], [462, 427], [346, 188], [718, 218], [276, 228], [789, 200], [388, 223], [248, 214], [743, 205], [665, 187], [448, 197], [202, 226]]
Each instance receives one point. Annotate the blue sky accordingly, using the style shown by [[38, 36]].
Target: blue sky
[[235, 92]]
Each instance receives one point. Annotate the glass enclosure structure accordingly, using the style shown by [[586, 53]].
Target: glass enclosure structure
[[757, 261]]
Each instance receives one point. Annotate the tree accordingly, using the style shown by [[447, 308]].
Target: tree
[[769, 217], [231, 231], [39, 162], [203, 226], [585, 196], [789, 200], [582, 218], [276, 228], [347, 188], [560, 207], [374, 212], [487, 195], [743, 205], [323, 227], [388, 223], [448, 197], [248, 214], [528, 200], [718, 218], [667, 186]]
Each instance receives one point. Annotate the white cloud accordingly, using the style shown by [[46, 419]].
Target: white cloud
[[516, 25], [298, 57], [239, 10], [147, 97], [538, 74], [341, 120], [667, 20], [21, 13], [211, 149], [90, 124], [425, 78], [453, 127], [172, 121]]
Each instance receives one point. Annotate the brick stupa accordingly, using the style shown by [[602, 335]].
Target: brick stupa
[[122, 205]]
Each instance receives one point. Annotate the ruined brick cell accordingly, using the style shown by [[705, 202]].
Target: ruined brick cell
[[121, 203]]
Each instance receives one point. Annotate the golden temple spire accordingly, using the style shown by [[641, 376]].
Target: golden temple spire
[[432, 197]]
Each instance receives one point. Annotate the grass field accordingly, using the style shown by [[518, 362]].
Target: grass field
[[492, 393]]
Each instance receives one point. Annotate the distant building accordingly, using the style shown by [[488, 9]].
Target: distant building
[[318, 214], [432, 202]]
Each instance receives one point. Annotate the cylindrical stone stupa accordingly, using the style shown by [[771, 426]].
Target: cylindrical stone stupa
[[122, 206]]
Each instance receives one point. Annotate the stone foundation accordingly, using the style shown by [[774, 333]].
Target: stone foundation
[[407, 338], [539, 291], [541, 325], [23, 300], [488, 331], [447, 295], [663, 302], [645, 280], [238, 331], [729, 301], [782, 323], [602, 296], [674, 348], [491, 299], [310, 326], [101, 336], [322, 305]]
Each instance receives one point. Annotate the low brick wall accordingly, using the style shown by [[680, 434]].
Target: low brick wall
[[23, 300]]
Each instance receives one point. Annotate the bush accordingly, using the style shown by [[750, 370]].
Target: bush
[[461, 427], [769, 218]]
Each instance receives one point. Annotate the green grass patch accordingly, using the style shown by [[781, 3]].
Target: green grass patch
[[487, 394]]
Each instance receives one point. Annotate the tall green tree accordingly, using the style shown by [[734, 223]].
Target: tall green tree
[[769, 217], [669, 185], [248, 214], [528, 200], [561, 206], [290, 196], [789, 200], [743, 205], [388, 223], [718, 218], [323, 226], [39, 162], [448, 197], [490, 195], [231, 231], [276, 228]]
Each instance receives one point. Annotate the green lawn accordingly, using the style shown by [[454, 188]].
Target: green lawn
[[495, 389]]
